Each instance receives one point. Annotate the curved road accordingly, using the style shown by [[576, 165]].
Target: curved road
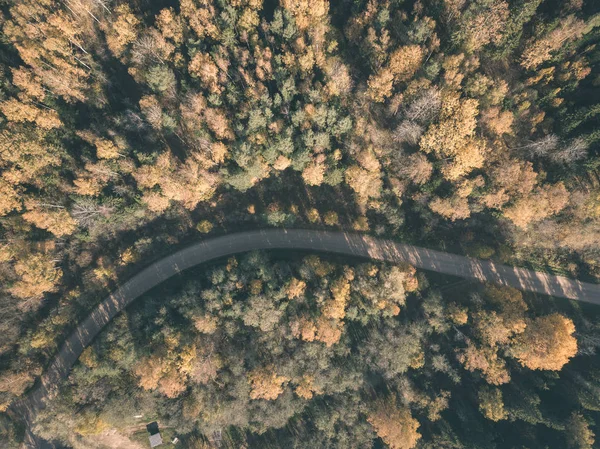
[[324, 241]]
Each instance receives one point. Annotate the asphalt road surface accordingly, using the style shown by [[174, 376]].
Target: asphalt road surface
[[320, 241]]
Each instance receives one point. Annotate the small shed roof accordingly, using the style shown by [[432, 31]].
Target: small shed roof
[[155, 440]]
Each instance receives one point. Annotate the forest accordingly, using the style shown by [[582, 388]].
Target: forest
[[311, 352], [131, 128]]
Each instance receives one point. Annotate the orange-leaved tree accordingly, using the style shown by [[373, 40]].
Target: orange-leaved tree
[[547, 343]]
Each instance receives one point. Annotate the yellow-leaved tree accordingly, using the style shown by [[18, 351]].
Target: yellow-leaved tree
[[491, 404], [394, 424], [266, 384], [546, 344], [38, 275], [453, 137]]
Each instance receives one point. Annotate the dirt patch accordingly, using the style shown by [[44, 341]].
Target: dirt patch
[[112, 439]]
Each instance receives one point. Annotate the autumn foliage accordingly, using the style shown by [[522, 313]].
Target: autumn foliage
[[547, 343], [129, 129], [395, 425]]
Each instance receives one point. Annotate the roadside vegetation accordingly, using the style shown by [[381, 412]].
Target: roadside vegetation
[[307, 351]]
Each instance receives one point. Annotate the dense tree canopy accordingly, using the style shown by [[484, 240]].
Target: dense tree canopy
[[128, 127], [345, 354]]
